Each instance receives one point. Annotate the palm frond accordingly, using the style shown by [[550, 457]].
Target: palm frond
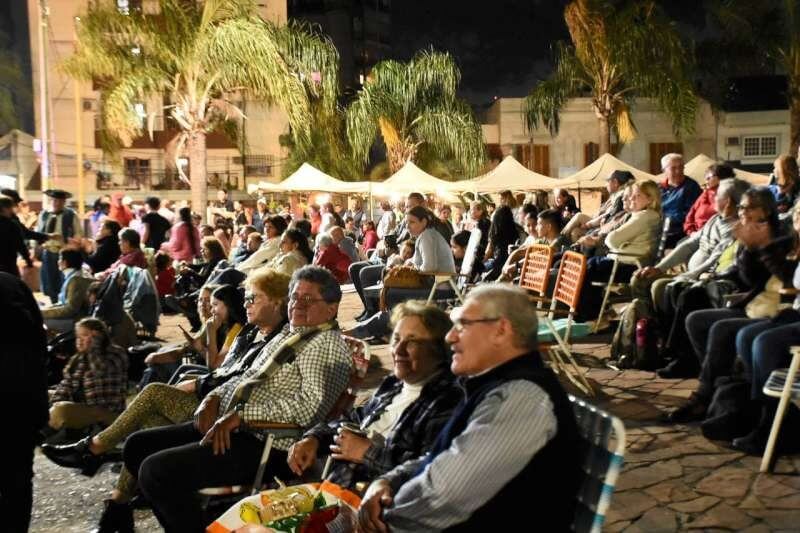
[[544, 103], [452, 130]]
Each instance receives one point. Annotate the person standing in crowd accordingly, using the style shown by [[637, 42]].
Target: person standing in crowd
[[100, 210], [356, 212], [678, 194], [260, 215], [23, 353], [27, 233], [11, 243], [184, 240], [119, 211], [388, 221], [315, 217], [155, 226], [513, 429], [223, 201], [62, 224]]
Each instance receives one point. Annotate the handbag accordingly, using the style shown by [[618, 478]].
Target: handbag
[[400, 277]]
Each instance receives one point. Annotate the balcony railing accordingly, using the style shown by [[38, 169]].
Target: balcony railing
[[161, 180]]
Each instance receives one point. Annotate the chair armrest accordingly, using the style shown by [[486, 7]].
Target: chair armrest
[[733, 296]]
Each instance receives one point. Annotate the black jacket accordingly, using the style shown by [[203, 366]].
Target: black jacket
[[23, 353], [11, 244], [106, 253]]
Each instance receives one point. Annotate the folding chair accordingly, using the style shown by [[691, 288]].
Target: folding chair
[[611, 286], [603, 436], [460, 281], [535, 273], [555, 335], [360, 352], [781, 384]]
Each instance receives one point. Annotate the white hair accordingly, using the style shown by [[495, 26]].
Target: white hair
[[669, 158], [502, 300]]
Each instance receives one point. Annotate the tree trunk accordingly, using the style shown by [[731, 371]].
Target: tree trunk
[[605, 135], [794, 123], [400, 153], [197, 172]]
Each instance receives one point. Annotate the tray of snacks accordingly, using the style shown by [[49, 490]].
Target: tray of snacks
[[303, 508]]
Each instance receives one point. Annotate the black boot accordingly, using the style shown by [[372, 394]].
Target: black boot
[[75, 455], [755, 442], [117, 518], [680, 368]]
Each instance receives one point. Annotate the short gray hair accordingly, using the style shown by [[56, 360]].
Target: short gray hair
[[733, 189], [669, 158], [323, 240], [328, 286], [501, 300]]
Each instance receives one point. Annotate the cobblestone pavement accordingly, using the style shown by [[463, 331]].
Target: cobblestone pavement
[[673, 478]]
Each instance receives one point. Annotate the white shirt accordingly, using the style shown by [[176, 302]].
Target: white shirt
[[408, 395]]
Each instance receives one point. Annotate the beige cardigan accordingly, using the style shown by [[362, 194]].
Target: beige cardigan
[[638, 235]]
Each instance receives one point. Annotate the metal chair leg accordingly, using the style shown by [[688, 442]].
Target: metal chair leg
[[786, 395], [606, 294]]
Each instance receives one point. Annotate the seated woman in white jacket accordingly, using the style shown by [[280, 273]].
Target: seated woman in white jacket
[[274, 226], [432, 253], [635, 242]]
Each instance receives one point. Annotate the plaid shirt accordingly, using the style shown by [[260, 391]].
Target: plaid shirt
[[301, 392], [411, 435], [95, 379]]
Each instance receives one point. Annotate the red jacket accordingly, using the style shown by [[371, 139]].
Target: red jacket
[[370, 240], [334, 260], [165, 281], [701, 211]]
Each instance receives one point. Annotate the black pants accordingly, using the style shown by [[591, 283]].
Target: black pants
[[599, 269], [363, 274], [16, 483], [712, 333], [172, 466]]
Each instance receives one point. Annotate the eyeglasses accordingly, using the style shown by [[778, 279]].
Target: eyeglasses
[[304, 300], [407, 344], [459, 324], [249, 298]]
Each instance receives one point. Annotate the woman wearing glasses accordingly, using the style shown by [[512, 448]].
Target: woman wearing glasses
[[405, 414], [160, 405]]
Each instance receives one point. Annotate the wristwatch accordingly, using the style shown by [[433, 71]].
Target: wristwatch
[[239, 408]]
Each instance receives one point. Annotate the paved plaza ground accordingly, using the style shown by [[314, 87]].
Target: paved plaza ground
[[673, 478]]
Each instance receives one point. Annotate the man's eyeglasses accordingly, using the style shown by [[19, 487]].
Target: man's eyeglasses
[[305, 300], [459, 324]]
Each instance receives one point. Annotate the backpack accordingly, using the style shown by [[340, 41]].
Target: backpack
[[635, 343]]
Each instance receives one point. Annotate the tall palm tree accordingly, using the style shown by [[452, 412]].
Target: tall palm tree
[[414, 104], [751, 37], [14, 92], [198, 56], [617, 54]]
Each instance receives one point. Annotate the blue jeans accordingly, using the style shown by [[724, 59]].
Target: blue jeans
[[764, 347], [50, 276]]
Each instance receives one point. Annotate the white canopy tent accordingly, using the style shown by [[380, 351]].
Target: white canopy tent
[[594, 176], [310, 178], [410, 179], [510, 174], [696, 169]]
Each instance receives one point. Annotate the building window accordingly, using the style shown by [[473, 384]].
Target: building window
[[256, 165], [137, 172], [760, 146]]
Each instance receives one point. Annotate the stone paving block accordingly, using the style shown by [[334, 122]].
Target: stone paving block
[[709, 460], [726, 482], [770, 487], [657, 520], [787, 502], [616, 526], [751, 502], [756, 528], [777, 519], [650, 475], [629, 505], [722, 516], [698, 505]]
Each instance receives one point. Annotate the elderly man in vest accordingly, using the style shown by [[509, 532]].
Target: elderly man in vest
[[511, 447], [62, 223]]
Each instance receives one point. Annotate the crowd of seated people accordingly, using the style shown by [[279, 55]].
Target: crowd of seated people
[[733, 241]]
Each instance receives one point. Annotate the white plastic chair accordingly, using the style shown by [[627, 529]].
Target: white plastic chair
[[781, 384]]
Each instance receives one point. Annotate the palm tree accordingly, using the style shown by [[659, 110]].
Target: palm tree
[[753, 37], [616, 55], [199, 57], [14, 92], [414, 104]]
